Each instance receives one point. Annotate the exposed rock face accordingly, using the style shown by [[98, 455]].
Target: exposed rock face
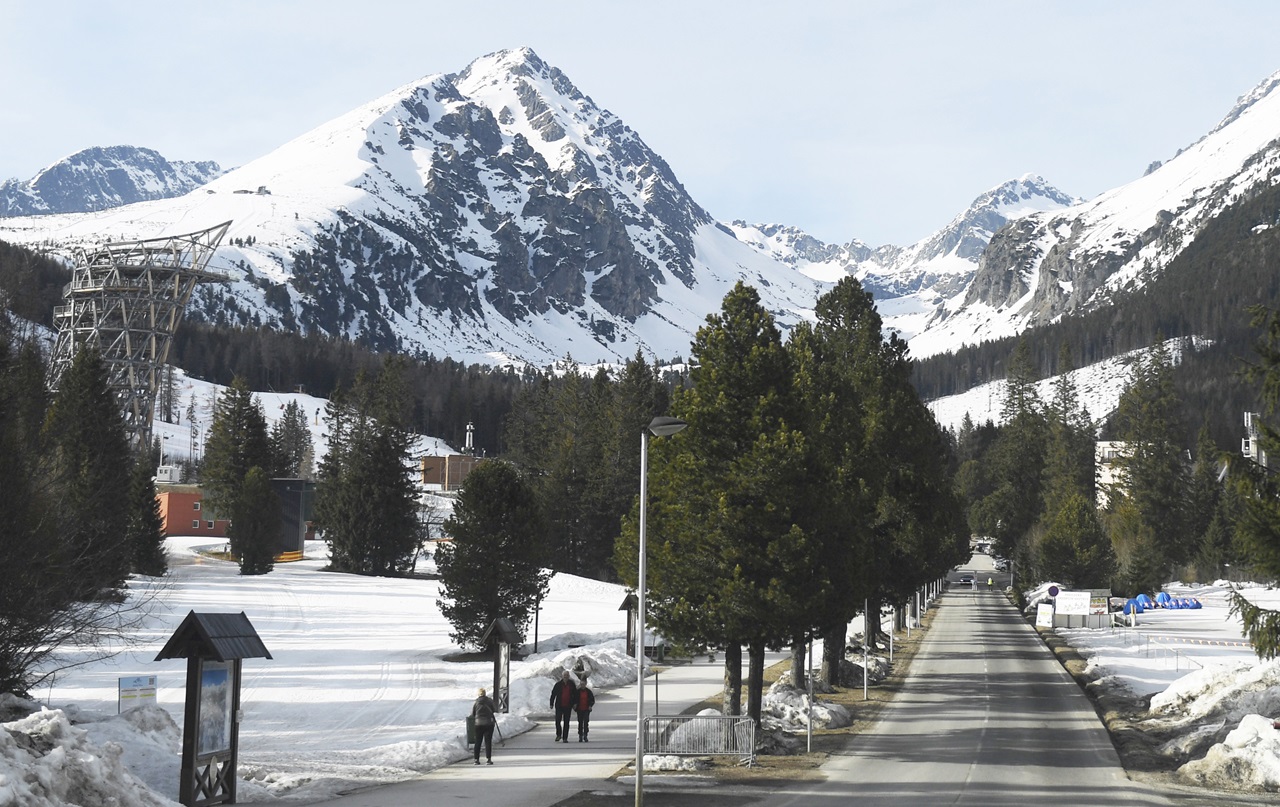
[[495, 213], [1075, 259], [102, 178], [557, 224]]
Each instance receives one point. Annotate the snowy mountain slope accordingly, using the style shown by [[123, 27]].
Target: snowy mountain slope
[[493, 215], [911, 284], [1049, 264], [100, 178], [1099, 387]]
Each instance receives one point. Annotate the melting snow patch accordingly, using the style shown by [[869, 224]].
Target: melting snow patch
[[47, 762], [1248, 757]]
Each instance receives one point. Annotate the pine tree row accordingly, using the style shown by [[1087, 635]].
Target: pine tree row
[[78, 515]]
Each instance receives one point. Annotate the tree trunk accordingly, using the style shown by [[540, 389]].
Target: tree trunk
[[755, 680], [798, 656], [732, 679], [874, 632], [833, 640]]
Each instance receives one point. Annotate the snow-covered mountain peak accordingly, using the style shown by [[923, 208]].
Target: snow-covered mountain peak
[[1027, 194], [1050, 264], [1244, 102], [495, 214], [102, 177]]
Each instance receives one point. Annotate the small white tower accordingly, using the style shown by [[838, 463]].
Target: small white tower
[[471, 428]]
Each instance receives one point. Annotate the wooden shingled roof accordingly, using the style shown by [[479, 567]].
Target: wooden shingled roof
[[221, 637], [503, 630]]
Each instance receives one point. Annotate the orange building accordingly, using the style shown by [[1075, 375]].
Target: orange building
[[447, 473], [182, 510]]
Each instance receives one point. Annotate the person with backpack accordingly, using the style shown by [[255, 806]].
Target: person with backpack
[[484, 715], [583, 700], [562, 700]]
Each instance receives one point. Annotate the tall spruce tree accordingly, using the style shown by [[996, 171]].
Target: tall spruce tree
[[1069, 544], [728, 564], [146, 527], [1074, 549], [1203, 497], [237, 441], [31, 594], [1258, 527], [291, 447], [85, 437], [1154, 475], [366, 502], [495, 564], [841, 363], [254, 531], [1016, 461]]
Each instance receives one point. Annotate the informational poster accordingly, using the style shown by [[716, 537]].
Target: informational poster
[[1073, 603], [215, 709], [1099, 601], [135, 691], [1044, 615]]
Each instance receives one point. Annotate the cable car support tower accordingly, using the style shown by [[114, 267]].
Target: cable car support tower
[[126, 299]]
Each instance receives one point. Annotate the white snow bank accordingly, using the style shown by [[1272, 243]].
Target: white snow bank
[[1234, 688], [787, 708], [1248, 757], [47, 762]]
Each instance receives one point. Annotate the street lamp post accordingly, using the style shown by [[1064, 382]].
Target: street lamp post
[[660, 427]]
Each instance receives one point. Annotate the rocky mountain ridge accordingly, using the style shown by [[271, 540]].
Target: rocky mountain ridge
[[103, 177], [1052, 264], [499, 215], [912, 284], [495, 215]]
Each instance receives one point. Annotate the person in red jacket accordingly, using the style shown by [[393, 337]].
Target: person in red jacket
[[583, 701], [562, 700]]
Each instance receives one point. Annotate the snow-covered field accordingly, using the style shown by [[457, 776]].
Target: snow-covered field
[[360, 688], [1210, 696]]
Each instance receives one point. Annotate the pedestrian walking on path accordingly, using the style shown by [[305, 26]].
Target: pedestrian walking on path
[[583, 701], [563, 696], [483, 713]]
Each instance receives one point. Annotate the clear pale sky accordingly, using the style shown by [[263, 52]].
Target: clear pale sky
[[870, 120]]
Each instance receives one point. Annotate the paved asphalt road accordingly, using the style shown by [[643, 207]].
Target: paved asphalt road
[[987, 717]]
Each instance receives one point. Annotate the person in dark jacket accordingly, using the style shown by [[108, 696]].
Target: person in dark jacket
[[562, 700], [583, 700], [485, 716]]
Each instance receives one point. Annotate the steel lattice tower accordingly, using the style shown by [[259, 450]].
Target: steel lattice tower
[[126, 299]]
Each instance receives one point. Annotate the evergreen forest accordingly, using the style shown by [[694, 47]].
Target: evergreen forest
[[816, 453], [1206, 293]]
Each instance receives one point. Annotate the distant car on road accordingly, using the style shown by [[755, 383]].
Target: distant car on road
[[966, 579]]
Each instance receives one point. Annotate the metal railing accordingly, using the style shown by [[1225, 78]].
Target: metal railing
[[701, 735], [1155, 649]]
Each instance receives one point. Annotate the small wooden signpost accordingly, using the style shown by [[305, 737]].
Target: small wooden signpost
[[504, 633], [213, 645]]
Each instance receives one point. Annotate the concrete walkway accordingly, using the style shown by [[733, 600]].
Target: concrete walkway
[[532, 770]]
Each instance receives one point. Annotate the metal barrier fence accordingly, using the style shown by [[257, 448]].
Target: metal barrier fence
[[701, 735], [1156, 649]]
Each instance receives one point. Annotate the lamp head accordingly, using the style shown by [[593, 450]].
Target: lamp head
[[663, 426]]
